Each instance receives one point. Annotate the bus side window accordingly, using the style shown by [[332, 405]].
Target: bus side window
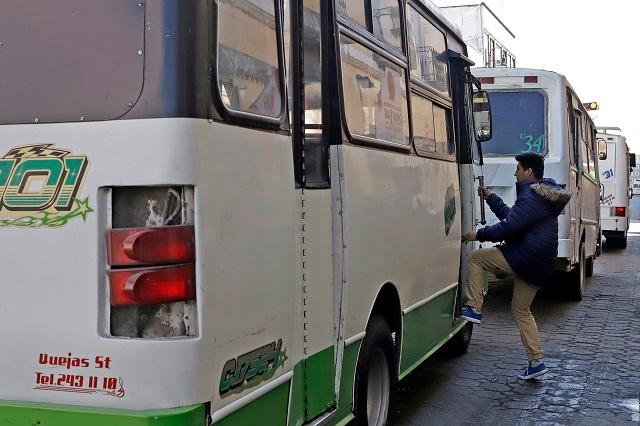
[[248, 66], [380, 17], [585, 157], [427, 47], [431, 127], [375, 97], [571, 124], [592, 151]]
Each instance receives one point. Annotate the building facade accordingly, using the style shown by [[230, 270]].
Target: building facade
[[491, 42]]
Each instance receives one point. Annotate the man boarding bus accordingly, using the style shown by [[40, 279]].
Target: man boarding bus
[[230, 212]]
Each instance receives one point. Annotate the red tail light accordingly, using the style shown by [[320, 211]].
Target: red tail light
[[486, 80], [531, 79], [620, 211], [152, 286], [160, 245]]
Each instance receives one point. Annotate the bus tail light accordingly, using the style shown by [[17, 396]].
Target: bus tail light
[[150, 279], [159, 245], [133, 287], [531, 79], [486, 80], [620, 211]]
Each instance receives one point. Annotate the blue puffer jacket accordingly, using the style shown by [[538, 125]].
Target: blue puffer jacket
[[529, 229]]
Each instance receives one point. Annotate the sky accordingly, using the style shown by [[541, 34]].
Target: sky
[[594, 43]]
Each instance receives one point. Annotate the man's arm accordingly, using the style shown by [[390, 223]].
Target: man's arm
[[497, 206], [521, 216]]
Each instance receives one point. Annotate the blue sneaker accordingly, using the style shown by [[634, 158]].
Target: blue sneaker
[[533, 370], [471, 314]]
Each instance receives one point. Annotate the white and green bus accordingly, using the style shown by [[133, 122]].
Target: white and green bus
[[229, 212]]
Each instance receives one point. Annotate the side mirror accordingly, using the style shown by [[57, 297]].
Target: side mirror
[[632, 160], [602, 149], [481, 116]]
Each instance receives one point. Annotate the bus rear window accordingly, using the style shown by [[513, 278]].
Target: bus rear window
[[70, 60], [248, 68], [519, 124]]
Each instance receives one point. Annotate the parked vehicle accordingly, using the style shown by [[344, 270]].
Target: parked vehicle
[[220, 212], [635, 189], [538, 111], [615, 164]]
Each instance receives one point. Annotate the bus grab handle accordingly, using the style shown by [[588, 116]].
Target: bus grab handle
[[483, 219]]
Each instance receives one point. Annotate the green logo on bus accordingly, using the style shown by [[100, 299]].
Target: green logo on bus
[[39, 185], [252, 368], [449, 208]]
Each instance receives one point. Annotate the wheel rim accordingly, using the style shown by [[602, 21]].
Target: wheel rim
[[378, 389]]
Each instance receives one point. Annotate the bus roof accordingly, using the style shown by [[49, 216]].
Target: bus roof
[[503, 72], [604, 129], [521, 72]]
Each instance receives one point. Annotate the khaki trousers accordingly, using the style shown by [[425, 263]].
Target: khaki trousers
[[492, 260]]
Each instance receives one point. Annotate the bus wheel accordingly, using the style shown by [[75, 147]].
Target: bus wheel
[[622, 242], [589, 266], [459, 343], [577, 278], [376, 367]]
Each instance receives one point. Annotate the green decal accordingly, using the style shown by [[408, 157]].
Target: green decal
[[449, 208], [39, 186], [252, 368], [76, 167]]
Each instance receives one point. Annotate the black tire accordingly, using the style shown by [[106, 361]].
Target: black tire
[[622, 242], [377, 349], [588, 269], [617, 242], [459, 343], [577, 278]]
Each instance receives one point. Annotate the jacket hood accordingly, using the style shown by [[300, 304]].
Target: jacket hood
[[553, 193]]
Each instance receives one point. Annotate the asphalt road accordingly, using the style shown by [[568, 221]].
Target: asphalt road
[[592, 349]]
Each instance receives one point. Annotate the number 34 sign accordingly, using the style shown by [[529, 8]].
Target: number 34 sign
[[39, 185], [532, 145]]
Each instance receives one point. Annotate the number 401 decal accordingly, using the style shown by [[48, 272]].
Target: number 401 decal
[[39, 185]]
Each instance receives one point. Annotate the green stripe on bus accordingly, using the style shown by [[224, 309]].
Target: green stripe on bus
[[430, 323], [270, 408], [23, 413], [320, 373]]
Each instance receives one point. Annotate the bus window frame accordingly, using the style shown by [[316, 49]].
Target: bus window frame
[[545, 96], [448, 107], [348, 28], [416, 80], [243, 118], [354, 26], [354, 137]]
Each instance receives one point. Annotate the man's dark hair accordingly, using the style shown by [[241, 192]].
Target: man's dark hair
[[533, 161]]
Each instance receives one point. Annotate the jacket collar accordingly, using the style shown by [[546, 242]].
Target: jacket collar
[[521, 185]]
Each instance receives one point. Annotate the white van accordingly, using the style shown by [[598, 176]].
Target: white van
[[537, 111], [615, 164]]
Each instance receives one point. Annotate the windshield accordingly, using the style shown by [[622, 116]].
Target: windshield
[[518, 120]]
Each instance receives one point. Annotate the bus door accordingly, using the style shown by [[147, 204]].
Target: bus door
[[319, 344], [574, 127], [469, 158]]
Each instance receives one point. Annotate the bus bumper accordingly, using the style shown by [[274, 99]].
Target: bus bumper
[[24, 413], [613, 225]]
